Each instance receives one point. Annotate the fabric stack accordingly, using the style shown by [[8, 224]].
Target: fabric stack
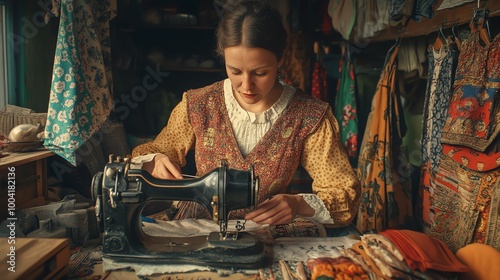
[[392, 254], [423, 252]]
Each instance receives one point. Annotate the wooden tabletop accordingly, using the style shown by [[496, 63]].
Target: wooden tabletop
[[34, 258], [16, 159]]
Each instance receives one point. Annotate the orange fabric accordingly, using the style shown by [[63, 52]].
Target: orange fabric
[[386, 200], [423, 252], [483, 261]]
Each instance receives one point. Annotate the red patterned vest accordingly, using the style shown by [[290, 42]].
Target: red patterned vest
[[277, 155]]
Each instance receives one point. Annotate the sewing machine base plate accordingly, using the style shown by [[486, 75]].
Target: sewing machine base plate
[[246, 252]]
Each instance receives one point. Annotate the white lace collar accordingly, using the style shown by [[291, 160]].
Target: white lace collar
[[235, 111]]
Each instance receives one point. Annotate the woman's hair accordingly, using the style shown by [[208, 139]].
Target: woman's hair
[[253, 24]]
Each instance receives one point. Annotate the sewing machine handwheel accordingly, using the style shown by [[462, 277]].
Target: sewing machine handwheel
[[96, 193], [96, 186]]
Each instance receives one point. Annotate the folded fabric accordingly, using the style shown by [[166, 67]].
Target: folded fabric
[[335, 268], [423, 252]]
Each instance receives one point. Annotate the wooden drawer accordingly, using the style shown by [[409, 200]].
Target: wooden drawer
[[29, 180], [35, 258]]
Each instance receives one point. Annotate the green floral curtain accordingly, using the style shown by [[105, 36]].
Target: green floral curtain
[[81, 92]]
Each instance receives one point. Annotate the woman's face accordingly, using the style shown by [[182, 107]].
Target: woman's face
[[253, 72]]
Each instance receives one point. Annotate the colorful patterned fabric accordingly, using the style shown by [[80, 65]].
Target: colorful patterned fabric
[[473, 159], [306, 133], [80, 96], [383, 167], [441, 73], [346, 111], [457, 203], [460, 198], [474, 114]]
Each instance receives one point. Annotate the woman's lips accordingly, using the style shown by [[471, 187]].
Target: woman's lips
[[249, 95]]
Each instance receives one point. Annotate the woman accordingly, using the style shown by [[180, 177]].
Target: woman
[[253, 118]]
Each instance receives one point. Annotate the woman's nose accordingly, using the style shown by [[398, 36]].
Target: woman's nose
[[246, 83]]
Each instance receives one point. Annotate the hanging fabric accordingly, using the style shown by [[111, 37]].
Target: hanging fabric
[[319, 87], [343, 16], [345, 106], [461, 198], [473, 118], [297, 66], [81, 92], [386, 200], [441, 74]]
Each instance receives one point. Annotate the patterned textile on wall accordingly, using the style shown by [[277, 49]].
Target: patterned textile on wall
[[473, 118], [346, 107], [458, 205], [80, 97], [461, 200], [383, 168]]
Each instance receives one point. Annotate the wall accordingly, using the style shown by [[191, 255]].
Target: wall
[[35, 43]]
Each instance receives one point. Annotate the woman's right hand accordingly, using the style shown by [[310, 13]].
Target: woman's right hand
[[162, 167]]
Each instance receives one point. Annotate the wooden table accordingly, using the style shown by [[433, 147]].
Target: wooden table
[[34, 258], [27, 173]]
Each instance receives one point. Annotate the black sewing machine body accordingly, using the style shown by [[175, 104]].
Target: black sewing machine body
[[121, 193]]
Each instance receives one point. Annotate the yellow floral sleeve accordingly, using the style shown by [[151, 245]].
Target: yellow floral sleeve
[[334, 179], [176, 138]]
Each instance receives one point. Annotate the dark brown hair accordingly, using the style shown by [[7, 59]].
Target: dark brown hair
[[253, 24]]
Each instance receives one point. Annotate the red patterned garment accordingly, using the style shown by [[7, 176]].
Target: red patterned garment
[[319, 87], [474, 112]]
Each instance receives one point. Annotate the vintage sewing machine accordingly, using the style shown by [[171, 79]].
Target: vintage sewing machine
[[120, 194]]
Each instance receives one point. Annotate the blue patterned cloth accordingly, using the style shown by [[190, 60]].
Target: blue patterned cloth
[[442, 65], [81, 92], [423, 8]]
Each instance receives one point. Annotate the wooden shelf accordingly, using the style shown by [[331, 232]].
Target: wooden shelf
[[444, 19], [29, 180]]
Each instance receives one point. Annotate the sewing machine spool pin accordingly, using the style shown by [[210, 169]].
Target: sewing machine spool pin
[[120, 193]]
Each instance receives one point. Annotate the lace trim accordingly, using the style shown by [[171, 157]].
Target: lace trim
[[237, 113], [321, 214], [249, 127]]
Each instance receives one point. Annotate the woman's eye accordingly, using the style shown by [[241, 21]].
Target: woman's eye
[[261, 74], [235, 72]]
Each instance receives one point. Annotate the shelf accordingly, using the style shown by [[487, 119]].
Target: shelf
[[444, 19]]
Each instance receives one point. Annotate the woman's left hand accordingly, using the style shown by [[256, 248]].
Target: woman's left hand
[[280, 209]]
